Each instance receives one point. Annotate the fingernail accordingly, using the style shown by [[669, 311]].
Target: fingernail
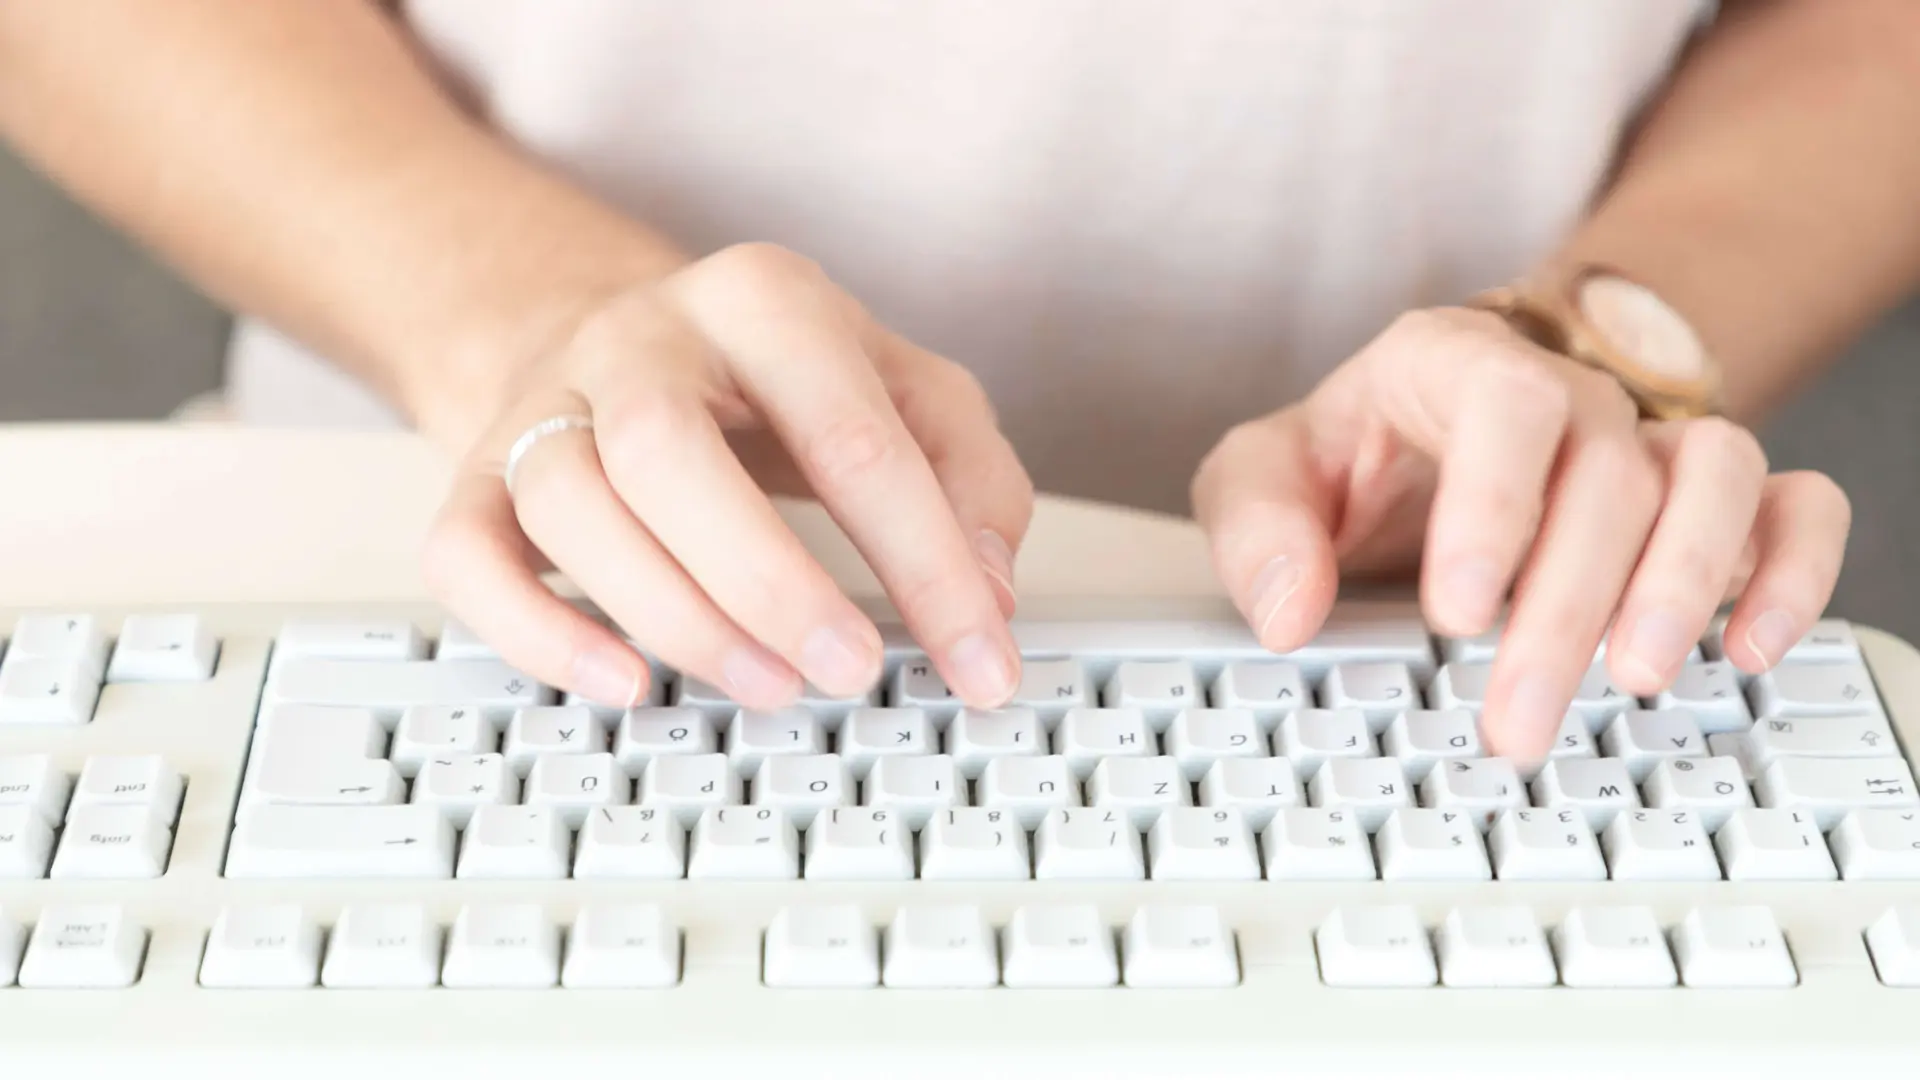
[[755, 675], [1471, 589], [996, 557], [1530, 721], [837, 660], [1657, 643], [984, 669], [1272, 588], [1771, 635], [610, 677]]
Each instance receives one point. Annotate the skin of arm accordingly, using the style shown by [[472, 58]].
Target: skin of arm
[[1769, 193]]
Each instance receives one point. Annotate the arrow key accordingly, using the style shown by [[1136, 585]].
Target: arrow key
[[47, 690]]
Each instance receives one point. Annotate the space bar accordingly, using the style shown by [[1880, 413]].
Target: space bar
[[281, 841]]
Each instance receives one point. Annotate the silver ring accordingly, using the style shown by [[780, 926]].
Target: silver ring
[[552, 425]]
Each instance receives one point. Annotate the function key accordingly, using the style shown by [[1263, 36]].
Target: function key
[[1894, 942], [1613, 947], [1494, 947], [12, 940], [1733, 947], [273, 946], [1375, 947], [821, 947], [620, 947], [1179, 946], [1059, 946]]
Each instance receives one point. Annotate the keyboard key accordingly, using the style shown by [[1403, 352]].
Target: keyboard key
[[1050, 687], [551, 731], [1256, 787], [13, 941], [113, 843], [262, 947], [389, 688], [1381, 691], [621, 947], [428, 731], [690, 785], [1712, 788], [459, 642], [1494, 947], [1370, 788], [1058, 946], [1878, 845], [518, 842], [971, 843], [704, 698], [163, 648], [1027, 787], [575, 785], [1545, 845], [26, 843], [871, 733], [502, 947], [917, 685], [644, 734], [1431, 845], [1269, 689], [1645, 737], [1160, 689], [1310, 737], [1481, 788], [1659, 845], [913, 787], [1597, 787], [940, 947], [1199, 737], [1140, 787], [1841, 689], [1599, 700], [1461, 685], [1312, 844], [456, 785], [1894, 943], [33, 781], [859, 844], [830, 947], [1828, 640], [1179, 946], [387, 946], [1711, 692], [61, 637], [1732, 947], [832, 712], [1382, 946], [740, 843], [1613, 947], [318, 756], [1828, 787], [1198, 844], [1774, 845], [1420, 738], [1086, 737], [1862, 735], [318, 842], [92, 946], [1087, 845], [976, 736], [801, 786], [631, 843], [47, 690], [1573, 740], [393, 639]]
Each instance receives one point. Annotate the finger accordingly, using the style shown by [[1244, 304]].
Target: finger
[[799, 348], [668, 462], [1500, 448], [1264, 508], [1601, 506], [1800, 538], [950, 416], [566, 507], [476, 567], [1716, 469]]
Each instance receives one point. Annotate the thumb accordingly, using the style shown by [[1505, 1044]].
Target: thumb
[[1268, 514]]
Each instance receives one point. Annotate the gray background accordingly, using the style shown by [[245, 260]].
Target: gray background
[[91, 329]]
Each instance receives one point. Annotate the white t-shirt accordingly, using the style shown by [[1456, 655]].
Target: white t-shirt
[[1139, 221]]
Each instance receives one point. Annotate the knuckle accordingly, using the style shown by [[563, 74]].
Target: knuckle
[[760, 267], [1719, 439], [1820, 494], [1622, 464], [849, 449], [1698, 569], [1526, 382], [645, 428]]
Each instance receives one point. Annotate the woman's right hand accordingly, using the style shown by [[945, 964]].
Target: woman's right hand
[[653, 514]]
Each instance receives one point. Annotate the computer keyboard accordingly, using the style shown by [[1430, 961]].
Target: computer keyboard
[[1172, 842]]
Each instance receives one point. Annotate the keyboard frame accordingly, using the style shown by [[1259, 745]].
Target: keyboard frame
[[721, 1014]]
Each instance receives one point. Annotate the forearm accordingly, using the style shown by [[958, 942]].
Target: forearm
[[1770, 194], [299, 161]]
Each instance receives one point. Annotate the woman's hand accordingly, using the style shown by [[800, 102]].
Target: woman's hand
[[751, 352], [1454, 444]]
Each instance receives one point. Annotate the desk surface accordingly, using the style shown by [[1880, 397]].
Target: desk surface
[[153, 514]]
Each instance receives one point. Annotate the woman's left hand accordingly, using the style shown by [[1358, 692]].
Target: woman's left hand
[[1499, 469]]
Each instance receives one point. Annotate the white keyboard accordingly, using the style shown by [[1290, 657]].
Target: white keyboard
[[227, 828]]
